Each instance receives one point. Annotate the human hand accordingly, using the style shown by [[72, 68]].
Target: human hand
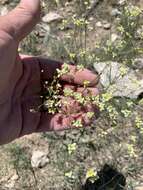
[[71, 110], [21, 78]]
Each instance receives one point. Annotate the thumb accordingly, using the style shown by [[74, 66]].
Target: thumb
[[20, 21]]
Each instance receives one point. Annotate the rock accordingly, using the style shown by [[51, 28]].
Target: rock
[[11, 182], [138, 63], [115, 12], [114, 37], [39, 159], [10, 185], [52, 16], [67, 4], [44, 30], [91, 18], [60, 133], [121, 2], [128, 85], [106, 25], [15, 177], [98, 24], [104, 68]]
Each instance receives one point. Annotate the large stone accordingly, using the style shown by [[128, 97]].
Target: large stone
[[39, 159], [129, 85], [52, 16]]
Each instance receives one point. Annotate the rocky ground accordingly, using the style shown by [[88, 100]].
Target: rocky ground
[[63, 160]]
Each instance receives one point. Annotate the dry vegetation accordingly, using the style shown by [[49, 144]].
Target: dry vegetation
[[85, 35]]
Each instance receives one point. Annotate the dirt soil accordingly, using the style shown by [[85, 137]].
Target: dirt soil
[[96, 146]]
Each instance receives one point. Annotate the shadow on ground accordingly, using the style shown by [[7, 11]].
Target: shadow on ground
[[109, 179]]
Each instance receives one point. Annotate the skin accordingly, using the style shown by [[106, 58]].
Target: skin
[[13, 28]]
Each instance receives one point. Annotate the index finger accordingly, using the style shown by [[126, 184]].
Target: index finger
[[73, 76], [80, 76]]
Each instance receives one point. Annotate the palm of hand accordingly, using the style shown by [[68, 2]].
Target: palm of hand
[[22, 20]]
